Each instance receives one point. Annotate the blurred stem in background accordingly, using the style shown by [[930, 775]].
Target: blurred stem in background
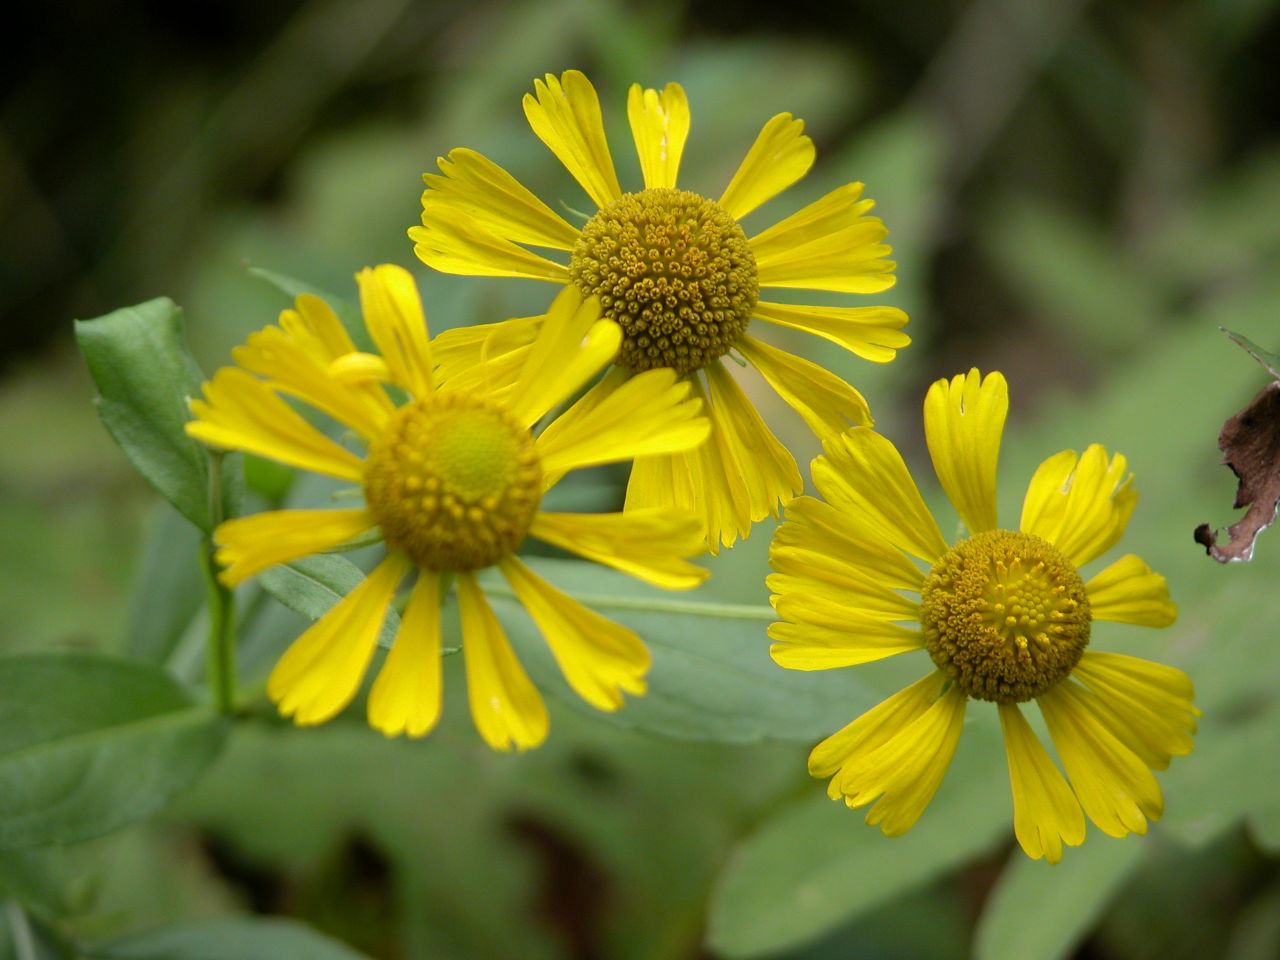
[[222, 609]]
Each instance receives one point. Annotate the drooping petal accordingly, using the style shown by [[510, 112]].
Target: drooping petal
[[240, 412], [406, 697], [1146, 705], [749, 448], [848, 260], [505, 705], [963, 424], [1114, 786], [842, 207], [477, 187], [651, 413], [863, 475], [873, 333], [801, 600], [1081, 507], [296, 357], [660, 126], [572, 345], [822, 544], [452, 242], [393, 313], [565, 115], [322, 670], [485, 357], [902, 774], [1128, 591], [874, 728], [249, 545], [647, 544], [1046, 813], [600, 659], [827, 403], [855, 640], [781, 155]]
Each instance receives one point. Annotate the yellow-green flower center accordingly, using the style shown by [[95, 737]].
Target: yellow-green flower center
[[1005, 615], [454, 482], [676, 273]]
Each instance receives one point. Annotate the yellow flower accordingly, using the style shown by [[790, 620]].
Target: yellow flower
[[452, 478], [678, 273], [1003, 614]]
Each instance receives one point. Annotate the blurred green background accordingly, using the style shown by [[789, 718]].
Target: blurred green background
[[1077, 194]]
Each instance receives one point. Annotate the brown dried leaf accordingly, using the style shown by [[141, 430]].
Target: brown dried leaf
[[1250, 443]]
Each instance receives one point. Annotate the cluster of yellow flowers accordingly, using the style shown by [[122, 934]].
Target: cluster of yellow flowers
[[462, 435]]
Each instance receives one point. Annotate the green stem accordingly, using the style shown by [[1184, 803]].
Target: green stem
[[722, 611], [24, 944], [222, 605]]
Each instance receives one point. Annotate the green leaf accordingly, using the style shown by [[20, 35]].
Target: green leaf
[[89, 743], [313, 585], [1043, 911], [711, 679], [32, 878], [139, 361], [1270, 361], [168, 590], [240, 938], [817, 865]]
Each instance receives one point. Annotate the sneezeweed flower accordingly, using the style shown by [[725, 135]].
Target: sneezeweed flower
[[452, 480], [680, 275], [1004, 614]]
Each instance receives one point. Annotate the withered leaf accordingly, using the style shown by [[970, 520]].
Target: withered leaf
[[1250, 443]]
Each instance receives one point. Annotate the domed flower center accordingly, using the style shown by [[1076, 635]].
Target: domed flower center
[[675, 271], [1005, 615], [454, 482]]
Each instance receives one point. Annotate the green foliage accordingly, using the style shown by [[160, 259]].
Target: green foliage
[[229, 939], [89, 743], [140, 363]]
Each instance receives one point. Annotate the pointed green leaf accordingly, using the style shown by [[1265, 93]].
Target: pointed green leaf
[[145, 376]]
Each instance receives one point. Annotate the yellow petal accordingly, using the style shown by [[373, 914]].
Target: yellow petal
[[821, 543], [781, 155], [249, 545], [477, 187], [406, 697], [1114, 786], [648, 544], [842, 207], [240, 412], [452, 243], [297, 358], [1046, 813], [652, 412], [963, 423], [848, 260], [1080, 507], [1128, 591], [856, 640], [484, 358], [600, 659], [828, 605], [827, 403], [393, 313], [572, 345], [565, 114], [1147, 705], [321, 671], [660, 126], [862, 475], [505, 706], [748, 447], [875, 728], [902, 774], [873, 333]]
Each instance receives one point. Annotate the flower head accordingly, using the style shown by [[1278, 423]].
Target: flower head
[[452, 479], [1004, 615], [682, 278]]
